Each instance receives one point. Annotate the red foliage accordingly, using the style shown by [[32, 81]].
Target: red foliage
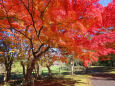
[[79, 26]]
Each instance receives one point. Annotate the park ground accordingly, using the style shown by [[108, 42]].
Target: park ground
[[95, 76], [103, 76]]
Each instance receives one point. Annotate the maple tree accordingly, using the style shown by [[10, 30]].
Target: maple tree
[[79, 27]]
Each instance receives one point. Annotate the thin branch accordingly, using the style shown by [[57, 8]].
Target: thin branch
[[39, 34], [10, 22], [42, 13], [30, 16], [20, 33], [28, 4], [41, 16]]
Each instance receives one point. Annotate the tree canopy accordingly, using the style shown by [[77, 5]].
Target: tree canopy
[[81, 27]]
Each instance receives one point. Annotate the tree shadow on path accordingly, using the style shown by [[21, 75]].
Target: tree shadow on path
[[102, 73]]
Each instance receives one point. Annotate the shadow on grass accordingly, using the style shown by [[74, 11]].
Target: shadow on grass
[[66, 73], [55, 74], [102, 69], [16, 79], [55, 82]]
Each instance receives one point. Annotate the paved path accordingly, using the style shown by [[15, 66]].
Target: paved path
[[103, 80]]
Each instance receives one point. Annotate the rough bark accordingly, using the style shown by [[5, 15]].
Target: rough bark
[[28, 75], [8, 73]]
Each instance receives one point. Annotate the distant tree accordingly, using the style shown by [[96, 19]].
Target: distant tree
[[7, 57]]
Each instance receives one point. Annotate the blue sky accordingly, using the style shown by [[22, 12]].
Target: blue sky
[[104, 2]]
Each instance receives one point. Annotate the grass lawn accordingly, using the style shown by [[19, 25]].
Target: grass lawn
[[112, 71], [82, 80], [16, 67]]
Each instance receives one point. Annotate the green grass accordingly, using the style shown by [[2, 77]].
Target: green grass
[[54, 69], [82, 80], [112, 70], [16, 67]]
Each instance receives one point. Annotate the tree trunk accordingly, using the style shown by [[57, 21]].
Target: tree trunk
[[8, 65], [8, 74], [5, 76], [112, 63], [23, 67], [72, 67], [29, 79], [59, 71], [28, 75], [49, 72], [38, 71]]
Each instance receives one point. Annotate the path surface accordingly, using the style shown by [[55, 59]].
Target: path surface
[[101, 78]]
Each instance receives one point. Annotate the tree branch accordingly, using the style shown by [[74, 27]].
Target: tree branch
[[39, 54], [39, 48], [32, 47], [42, 13]]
